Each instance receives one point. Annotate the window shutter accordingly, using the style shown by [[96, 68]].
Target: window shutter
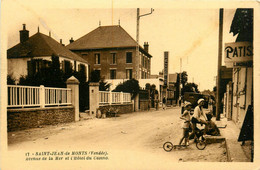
[[29, 68], [70, 67]]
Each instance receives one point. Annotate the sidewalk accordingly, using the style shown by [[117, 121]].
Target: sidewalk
[[230, 132]]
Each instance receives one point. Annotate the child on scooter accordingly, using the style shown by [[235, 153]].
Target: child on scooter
[[186, 117]]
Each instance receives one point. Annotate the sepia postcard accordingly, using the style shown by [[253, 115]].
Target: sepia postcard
[[129, 84]]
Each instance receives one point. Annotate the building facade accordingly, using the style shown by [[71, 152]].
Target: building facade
[[111, 53], [239, 57]]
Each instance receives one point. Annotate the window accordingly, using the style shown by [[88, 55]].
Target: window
[[112, 74], [113, 58], [82, 69], [129, 57], [142, 75], [97, 58], [129, 73], [67, 66], [36, 65]]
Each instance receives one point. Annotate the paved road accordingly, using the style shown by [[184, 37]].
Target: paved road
[[140, 130], [135, 138]]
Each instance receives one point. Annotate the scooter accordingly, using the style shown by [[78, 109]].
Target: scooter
[[200, 143]]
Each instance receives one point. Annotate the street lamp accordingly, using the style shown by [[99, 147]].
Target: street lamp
[[137, 37]]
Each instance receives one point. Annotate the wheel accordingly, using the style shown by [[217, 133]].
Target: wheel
[[201, 145], [167, 146]]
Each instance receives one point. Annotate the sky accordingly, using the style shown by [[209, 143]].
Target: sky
[[187, 33]]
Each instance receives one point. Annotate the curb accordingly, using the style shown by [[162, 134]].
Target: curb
[[228, 151]]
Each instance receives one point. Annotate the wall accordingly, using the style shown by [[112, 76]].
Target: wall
[[122, 108], [20, 119], [105, 61], [143, 104], [17, 67], [242, 93]]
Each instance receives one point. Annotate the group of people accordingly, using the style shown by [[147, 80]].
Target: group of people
[[199, 117]]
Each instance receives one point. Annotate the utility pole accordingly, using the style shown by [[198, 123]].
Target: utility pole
[[180, 81], [137, 39], [219, 63]]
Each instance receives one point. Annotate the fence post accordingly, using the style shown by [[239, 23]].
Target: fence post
[[110, 97], [136, 103], [93, 98], [73, 84], [121, 97], [42, 96]]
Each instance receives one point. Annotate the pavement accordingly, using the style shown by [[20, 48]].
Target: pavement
[[230, 132]]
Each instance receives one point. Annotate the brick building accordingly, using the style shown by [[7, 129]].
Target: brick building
[[111, 52]]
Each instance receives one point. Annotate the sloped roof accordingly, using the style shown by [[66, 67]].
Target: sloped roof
[[104, 37], [41, 45]]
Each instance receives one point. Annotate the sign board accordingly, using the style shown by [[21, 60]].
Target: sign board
[[172, 78], [238, 52], [165, 73]]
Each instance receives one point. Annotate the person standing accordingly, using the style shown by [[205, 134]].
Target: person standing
[[186, 117], [164, 103]]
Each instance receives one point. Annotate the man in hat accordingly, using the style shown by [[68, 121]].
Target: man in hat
[[197, 117], [198, 112]]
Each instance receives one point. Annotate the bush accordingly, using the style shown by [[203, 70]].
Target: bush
[[10, 80], [129, 86]]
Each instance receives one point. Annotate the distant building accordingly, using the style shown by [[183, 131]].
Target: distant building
[[172, 89], [111, 52], [42, 48]]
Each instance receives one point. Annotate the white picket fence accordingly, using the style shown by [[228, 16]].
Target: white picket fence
[[31, 96], [108, 97]]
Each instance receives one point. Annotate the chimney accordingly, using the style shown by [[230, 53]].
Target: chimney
[[71, 40], [61, 42], [24, 34], [146, 46]]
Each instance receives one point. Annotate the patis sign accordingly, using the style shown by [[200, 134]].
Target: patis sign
[[238, 52]]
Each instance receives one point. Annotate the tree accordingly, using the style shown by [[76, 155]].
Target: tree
[[129, 86], [215, 89], [10, 80], [147, 86], [94, 76], [52, 76], [49, 75], [242, 24], [104, 86], [190, 87], [184, 78]]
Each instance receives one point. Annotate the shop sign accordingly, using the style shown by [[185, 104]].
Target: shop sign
[[166, 53], [238, 52]]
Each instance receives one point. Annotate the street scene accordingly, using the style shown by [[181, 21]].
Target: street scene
[[129, 88], [142, 132]]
